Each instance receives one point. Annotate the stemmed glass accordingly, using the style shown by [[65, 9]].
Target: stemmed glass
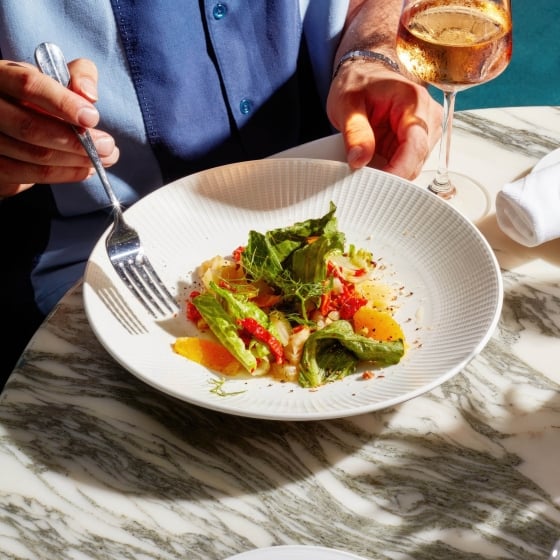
[[454, 45]]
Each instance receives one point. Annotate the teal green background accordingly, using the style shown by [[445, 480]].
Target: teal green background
[[533, 75]]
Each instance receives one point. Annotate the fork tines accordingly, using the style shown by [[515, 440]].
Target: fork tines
[[141, 278]]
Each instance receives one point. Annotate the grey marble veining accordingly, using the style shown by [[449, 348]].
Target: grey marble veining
[[524, 139], [96, 465]]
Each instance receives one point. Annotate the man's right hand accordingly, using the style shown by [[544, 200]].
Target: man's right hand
[[37, 145]]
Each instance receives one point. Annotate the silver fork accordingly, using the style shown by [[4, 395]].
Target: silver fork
[[124, 248]]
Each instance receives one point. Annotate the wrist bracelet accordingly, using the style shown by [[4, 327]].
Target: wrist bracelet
[[368, 55]]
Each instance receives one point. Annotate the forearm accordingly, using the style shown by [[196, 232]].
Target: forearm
[[370, 25]]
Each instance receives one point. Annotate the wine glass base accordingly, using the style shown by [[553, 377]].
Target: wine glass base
[[470, 198]]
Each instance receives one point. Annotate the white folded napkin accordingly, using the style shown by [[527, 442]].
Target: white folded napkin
[[528, 210]]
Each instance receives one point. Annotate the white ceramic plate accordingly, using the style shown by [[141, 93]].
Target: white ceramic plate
[[295, 552], [450, 280]]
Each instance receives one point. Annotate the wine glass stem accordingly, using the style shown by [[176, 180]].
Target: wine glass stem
[[441, 185]]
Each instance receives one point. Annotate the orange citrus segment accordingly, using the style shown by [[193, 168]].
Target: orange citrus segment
[[376, 324], [207, 353], [379, 296]]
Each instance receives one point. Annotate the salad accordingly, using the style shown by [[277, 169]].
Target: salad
[[294, 303]]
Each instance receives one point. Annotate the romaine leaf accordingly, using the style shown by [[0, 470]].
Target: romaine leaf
[[225, 329], [238, 307], [260, 259], [309, 263], [234, 308], [268, 256], [285, 239], [334, 351]]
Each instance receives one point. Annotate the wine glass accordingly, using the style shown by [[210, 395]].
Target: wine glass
[[454, 45]]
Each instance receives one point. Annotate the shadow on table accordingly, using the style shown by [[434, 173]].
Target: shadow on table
[[442, 468], [511, 254]]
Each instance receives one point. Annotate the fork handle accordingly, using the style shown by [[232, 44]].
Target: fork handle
[[51, 62], [87, 142]]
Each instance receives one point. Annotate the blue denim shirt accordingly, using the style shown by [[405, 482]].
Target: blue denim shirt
[[181, 89]]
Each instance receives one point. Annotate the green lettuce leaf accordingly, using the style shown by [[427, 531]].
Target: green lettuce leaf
[[334, 351], [275, 255], [225, 329], [237, 307], [308, 264], [285, 259], [221, 309]]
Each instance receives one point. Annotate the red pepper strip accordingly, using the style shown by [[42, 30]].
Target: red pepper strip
[[225, 285], [336, 272], [260, 333], [237, 253], [192, 312], [344, 301], [350, 306], [325, 306], [333, 270]]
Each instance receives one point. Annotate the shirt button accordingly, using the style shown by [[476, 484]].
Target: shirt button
[[219, 11], [246, 106]]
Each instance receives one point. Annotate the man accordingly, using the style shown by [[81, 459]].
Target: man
[[170, 88]]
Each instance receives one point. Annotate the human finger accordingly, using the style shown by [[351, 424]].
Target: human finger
[[47, 155], [412, 149], [83, 78], [30, 174], [17, 175], [23, 124], [351, 120], [26, 85], [418, 130]]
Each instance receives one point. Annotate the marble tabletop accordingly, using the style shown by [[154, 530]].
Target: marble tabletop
[[96, 465]]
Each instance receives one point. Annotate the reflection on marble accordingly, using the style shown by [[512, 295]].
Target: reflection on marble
[[95, 464]]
